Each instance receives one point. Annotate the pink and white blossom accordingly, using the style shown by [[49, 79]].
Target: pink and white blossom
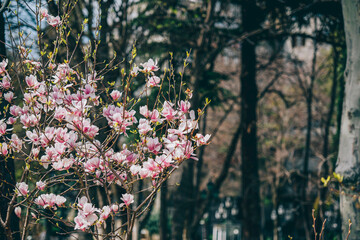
[[3, 65], [31, 81], [127, 199], [53, 21], [17, 211], [5, 83], [9, 96], [116, 95], [40, 185], [43, 13], [22, 189], [153, 81], [149, 66], [3, 127]]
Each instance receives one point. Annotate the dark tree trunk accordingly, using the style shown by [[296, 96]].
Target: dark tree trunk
[[305, 208], [249, 91], [325, 168], [7, 167], [163, 213], [183, 200]]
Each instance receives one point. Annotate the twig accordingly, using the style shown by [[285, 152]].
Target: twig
[[350, 223], [314, 223]]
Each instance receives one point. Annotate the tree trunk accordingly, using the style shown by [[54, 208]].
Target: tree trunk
[[306, 206], [325, 168], [348, 158], [182, 200], [163, 212], [7, 167], [249, 91]]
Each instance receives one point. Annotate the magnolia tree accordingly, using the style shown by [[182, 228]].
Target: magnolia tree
[[53, 130]]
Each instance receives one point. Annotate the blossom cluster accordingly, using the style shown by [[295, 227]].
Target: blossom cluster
[[51, 20], [61, 115]]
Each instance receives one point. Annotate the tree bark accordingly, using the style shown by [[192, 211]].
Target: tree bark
[[325, 168], [306, 207], [7, 166], [348, 158], [249, 92], [163, 212]]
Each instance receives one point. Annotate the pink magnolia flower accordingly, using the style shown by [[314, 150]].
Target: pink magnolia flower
[[154, 118], [115, 208], [86, 217], [15, 110], [31, 81], [89, 91], [135, 169], [22, 189], [164, 160], [185, 106], [152, 166], [88, 209], [9, 96], [37, 65], [2, 127], [88, 213], [63, 164], [44, 161], [135, 71], [106, 210], [168, 112], [153, 145], [82, 201], [11, 120], [4, 149], [92, 164], [153, 81], [60, 113], [16, 142], [60, 200], [63, 70], [144, 173], [17, 211], [3, 65], [127, 199], [116, 95], [29, 120], [149, 66], [144, 111], [118, 157], [35, 151], [47, 137], [5, 83], [49, 200], [53, 21], [33, 136], [62, 135], [43, 13], [189, 93], [52, 66], [81, 223], [60, 148], [40, 185], [144, 126], [202, 140]]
